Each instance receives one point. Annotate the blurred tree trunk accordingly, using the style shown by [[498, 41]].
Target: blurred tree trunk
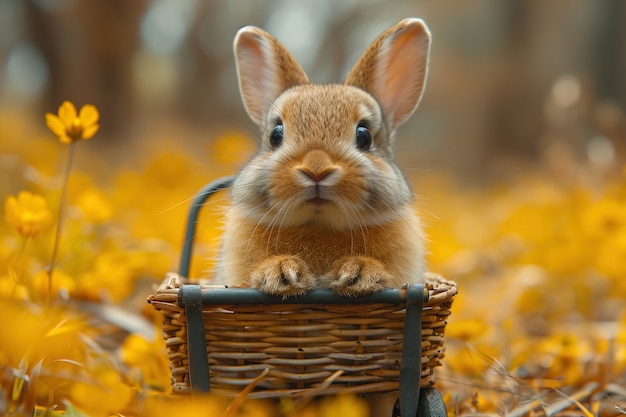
[[89, 47], [515, 107], [609, 58]]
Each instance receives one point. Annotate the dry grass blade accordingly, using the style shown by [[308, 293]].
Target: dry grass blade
[[620, 409], [615, 389], [30, 398], [575, 398], [318, 390], [243, 395], [524, 409]]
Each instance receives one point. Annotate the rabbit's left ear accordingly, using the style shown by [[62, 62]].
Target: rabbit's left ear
[[393, 69]]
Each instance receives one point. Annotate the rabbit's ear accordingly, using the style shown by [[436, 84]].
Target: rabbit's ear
[[393, 69], [265, 69]]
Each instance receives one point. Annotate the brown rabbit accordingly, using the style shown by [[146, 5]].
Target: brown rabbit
[[323, 205]]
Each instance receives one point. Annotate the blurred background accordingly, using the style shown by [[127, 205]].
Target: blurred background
[[516, 153], [512, 83]]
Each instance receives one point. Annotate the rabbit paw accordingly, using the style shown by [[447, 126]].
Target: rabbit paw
[[283, 275], [358, 275]]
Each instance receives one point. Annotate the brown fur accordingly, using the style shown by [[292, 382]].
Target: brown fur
[[397, 245], [316, 210]]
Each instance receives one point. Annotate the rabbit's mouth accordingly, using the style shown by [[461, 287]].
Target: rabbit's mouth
[[318, 201]]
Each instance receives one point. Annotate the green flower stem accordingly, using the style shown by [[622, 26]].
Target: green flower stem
[[57, 236], [19, 254]]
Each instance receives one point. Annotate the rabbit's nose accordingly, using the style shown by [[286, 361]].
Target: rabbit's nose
[[317, 165], [317, 176]]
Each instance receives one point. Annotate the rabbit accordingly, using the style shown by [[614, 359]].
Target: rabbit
[[322, 204]]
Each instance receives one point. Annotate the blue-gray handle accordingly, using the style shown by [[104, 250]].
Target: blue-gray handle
[[192, 220], [252, 296]]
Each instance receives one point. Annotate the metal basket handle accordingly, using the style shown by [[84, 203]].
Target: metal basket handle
[[192, 220]]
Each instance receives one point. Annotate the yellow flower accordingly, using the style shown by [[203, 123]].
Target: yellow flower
[[95, 206], [61, 281], [104, 394], [466, 329], [70, 126], [11, 288], [564, 356], [346, 405], [54, 334], [195, 406], [147, 357], [27, 213]]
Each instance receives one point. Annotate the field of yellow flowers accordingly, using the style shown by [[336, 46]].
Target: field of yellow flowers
[[539, 325]]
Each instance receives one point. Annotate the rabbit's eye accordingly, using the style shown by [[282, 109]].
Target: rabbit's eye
[[363, 138], [276, 137]]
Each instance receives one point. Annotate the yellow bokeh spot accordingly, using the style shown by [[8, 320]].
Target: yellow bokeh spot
[[232, 148], [96, 208], [466, 330], [103, 396], [344, 405], [196, 406]]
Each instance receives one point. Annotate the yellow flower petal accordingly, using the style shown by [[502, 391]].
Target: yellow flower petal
[[88, 115], [11, 210], [89, 131], [67, 113], [55, 124], [70, 126]]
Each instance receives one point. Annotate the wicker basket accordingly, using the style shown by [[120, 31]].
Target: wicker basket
[[303, 349]]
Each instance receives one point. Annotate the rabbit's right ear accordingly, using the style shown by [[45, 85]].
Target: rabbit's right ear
[[393, 69], [265, 69]]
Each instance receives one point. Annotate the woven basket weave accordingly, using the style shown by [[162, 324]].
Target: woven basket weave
[[304, 349]]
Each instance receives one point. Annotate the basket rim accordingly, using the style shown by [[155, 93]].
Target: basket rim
[[436, 288]]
